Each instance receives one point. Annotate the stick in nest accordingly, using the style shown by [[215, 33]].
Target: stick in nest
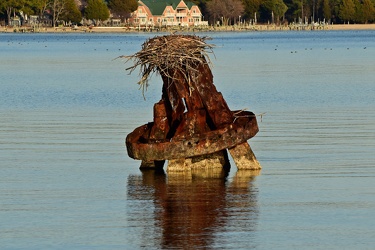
[[162, 53]]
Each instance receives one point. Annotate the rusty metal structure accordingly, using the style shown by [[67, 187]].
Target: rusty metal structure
[[192, 125]]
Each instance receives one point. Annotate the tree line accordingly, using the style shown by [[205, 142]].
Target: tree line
[[71, 11], [224, 12], [288, 11]]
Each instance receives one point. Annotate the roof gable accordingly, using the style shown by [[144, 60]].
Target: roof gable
[[181, 4], [157, 7]]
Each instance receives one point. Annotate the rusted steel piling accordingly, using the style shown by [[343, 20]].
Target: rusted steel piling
[[193, 126]]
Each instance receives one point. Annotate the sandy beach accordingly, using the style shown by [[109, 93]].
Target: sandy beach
[[353, 26], [213, 29]]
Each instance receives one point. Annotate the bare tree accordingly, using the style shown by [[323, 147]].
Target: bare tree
[[225, 9], [57, 7], [42, 6]]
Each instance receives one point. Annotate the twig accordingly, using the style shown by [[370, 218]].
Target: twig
[[161, 53]]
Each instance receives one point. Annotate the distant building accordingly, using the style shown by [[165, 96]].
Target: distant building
[[167, 13], [15, 21]]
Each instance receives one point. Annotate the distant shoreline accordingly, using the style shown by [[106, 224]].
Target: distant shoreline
[[208, 29]]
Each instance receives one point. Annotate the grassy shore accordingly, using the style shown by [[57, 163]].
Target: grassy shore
[[212, 29]]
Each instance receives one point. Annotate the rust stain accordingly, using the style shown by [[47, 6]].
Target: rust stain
[[192, 118]]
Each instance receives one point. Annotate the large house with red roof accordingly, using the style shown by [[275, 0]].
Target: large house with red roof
[[156, 13]]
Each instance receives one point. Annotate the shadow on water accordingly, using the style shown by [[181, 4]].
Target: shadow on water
[[193, 210]]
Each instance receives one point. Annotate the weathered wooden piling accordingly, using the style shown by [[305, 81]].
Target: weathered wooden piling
[[193, 126]]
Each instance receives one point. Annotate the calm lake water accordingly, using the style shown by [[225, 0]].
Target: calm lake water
[[66, 181]]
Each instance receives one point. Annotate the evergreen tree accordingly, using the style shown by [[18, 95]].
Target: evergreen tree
[[347, 10], [295, 10], [122, 8], [335, 9], [275, 7], [368, 11], [27, 7], [280, 9], [326, 10], [71, 12], [358, 15], [251, 8], [96, 10]]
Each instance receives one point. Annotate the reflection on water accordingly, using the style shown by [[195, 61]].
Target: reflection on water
[[189, 211]]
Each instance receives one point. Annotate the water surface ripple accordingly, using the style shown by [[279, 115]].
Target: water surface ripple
[[66, 181]]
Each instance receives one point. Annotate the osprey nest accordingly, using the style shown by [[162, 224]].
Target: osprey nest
[[162, 53]]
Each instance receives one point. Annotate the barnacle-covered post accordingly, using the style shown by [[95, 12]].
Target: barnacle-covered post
[[193, 125]]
